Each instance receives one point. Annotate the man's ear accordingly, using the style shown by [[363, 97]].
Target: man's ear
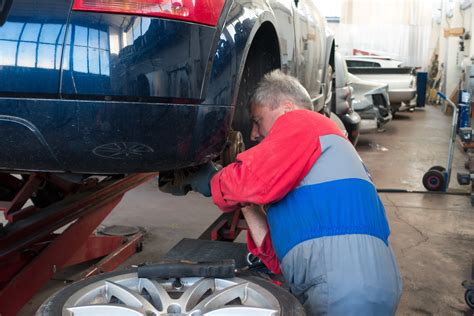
[[288, 107]]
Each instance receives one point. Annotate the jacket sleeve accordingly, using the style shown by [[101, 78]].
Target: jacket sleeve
[[267, 172], [265, 252]]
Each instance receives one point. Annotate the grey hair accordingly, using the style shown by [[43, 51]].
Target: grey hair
[[277, 87]]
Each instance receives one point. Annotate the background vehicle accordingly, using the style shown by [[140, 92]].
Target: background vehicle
[[107, 89], [372, 61], [401, 81], [371, 102], [343, 103]]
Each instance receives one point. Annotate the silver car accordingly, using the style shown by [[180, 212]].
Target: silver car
[[371, 101], [343, 100], [401, 80]]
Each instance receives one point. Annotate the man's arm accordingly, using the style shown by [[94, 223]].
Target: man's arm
[[258, 238], [265, 173], [257, 222]]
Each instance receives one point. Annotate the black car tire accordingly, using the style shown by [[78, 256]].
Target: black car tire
[[289, 305], [434, 180], [469, 298], [330, 102], [439, 168], [261, 59]]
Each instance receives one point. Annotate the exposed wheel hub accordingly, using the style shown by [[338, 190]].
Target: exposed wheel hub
[[234, 146]]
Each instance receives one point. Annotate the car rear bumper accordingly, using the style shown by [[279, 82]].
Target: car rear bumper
[[99, 137], [401, 95], [368, 125], [352, 123], [383, 119]]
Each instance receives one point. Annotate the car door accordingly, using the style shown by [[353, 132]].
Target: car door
[[284, 14]]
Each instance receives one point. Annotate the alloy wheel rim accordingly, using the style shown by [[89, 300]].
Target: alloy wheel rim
[[127, 294]]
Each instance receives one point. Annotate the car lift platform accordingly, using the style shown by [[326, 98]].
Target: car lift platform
[[58, 231], [37, 241]]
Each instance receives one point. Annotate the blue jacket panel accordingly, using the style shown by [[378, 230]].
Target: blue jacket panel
[[337, 197]]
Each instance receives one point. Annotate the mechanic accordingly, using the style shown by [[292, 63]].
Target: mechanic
[[327, 229]]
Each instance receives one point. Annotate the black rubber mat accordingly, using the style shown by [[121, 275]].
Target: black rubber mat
[[206, 250]]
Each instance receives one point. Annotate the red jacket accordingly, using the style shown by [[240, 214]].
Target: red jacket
[[267, 172]]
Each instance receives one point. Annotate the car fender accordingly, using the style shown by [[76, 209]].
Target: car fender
[[329, 50], [227, 60]]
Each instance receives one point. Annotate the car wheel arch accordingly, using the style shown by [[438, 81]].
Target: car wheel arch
[[236, 49], [262, 55], [263, 28]]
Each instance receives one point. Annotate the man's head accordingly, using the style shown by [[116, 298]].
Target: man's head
[[276, 94]]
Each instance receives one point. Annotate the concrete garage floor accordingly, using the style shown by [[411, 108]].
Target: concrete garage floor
[[432, 235]]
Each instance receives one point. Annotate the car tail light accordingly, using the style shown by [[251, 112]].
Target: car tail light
[[197, 11]]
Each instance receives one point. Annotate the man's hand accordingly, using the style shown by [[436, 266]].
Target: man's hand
[[200, 180]]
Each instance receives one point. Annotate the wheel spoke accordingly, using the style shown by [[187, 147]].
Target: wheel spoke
[[100, 310], [159, 296], [219, 299], [242, 310], [127, 296], [194, 293]]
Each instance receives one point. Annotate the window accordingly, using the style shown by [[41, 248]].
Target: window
[[362, 63], [91, 52], [330, 9], [138, 28], [32, 45]]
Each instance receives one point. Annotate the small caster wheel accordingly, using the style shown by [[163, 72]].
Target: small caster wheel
[[439, 168], [469, 298], [434, 180]]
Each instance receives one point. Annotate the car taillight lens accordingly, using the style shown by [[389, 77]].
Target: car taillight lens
[[197, 11]]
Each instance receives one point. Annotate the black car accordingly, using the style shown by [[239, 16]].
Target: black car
[[110, 87]]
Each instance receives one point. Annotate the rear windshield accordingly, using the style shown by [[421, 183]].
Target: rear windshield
[[362, 63]]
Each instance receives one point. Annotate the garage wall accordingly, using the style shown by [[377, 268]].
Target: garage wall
[[409, 30], [397, 28], [448, 48]]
